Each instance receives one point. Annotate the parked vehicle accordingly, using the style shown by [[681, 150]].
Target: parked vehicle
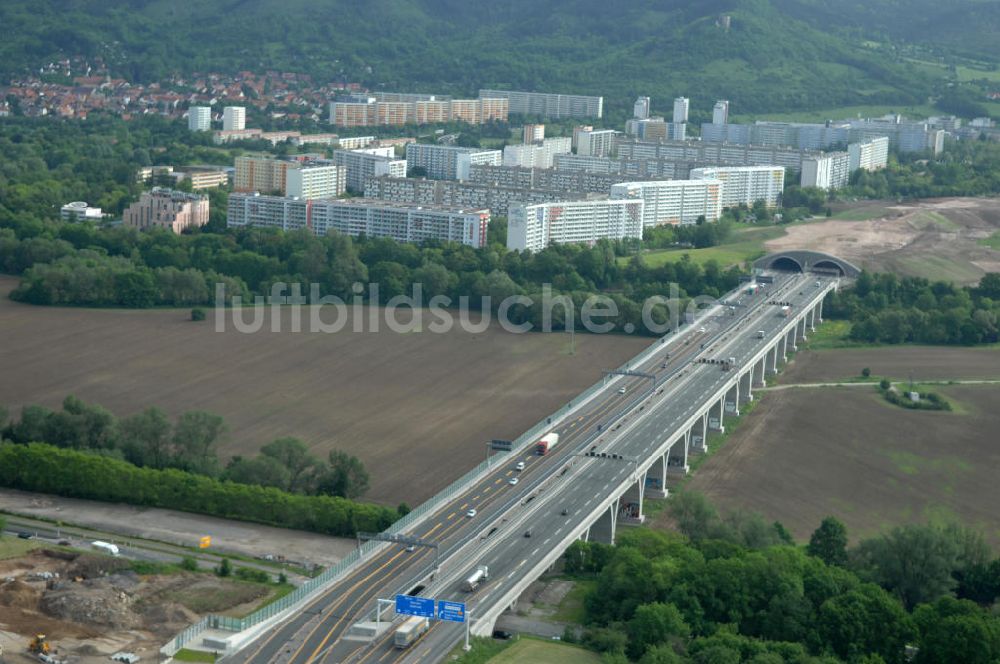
[[105, 547], [481, 574], [411, 630]]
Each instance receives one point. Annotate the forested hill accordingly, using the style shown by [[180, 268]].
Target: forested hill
[[767, 60]]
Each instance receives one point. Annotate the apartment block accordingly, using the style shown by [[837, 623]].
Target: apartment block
[[539, 178], [547, 104], [533, 133], [374, 218], [394, 108], [828, 171], [168, 209], [364, 163], [714, 153], [304, 177], [681, 108], [745, 185], [596, 143], [870, 156], [206, 178], [641, 108], [446, 162], [200, 118], [534, 227], [536, 155], [420, 191], [674, 201], [316, 180], [234, 118], [720, 112]]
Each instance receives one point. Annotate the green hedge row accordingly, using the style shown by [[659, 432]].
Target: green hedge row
[[65, 472]]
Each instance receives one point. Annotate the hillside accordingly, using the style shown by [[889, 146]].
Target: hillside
[[767, 61]]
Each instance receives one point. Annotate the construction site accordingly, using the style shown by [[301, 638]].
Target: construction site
[[59, 605]]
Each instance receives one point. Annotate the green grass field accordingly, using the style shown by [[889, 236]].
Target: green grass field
[[746, 244], [863, 213], [993, 241], [185, 655], [571, 608], [537, 651], [936, 267], [14, 547]]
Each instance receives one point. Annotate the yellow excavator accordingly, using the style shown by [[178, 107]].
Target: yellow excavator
[[38, 645]]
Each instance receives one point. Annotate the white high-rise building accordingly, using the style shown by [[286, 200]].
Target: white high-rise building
[[641, 108], [547, 104], [720, 112], [316, 180], [537, 226], [828, 171], [234, 118], [446, 162], [399, 221], [200, 118], [533, 133], [364, 163], [870, 156], [745, 185], [536, 155], [673, 201], [681, 105], [596, 143]]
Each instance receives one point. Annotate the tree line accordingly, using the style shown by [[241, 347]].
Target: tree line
[[734, 588], [149, 440], [884, 308], [77, 474]]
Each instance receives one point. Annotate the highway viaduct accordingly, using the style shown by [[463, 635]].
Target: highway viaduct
[[626, 447]]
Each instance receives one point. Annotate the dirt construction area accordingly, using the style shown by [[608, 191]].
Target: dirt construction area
[[805, 453], [416, 408], [933, 238], [90, 607]]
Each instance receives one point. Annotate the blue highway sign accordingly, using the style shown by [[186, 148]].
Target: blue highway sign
[[415, 606], [453, 611]]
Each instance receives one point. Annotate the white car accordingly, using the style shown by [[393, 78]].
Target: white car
[[621, 390], [701, 329], [519, 466], [512, 481], [471, 513]]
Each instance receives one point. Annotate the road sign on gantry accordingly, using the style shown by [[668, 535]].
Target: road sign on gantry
[[408, 605], [452, 611], [205, 542]]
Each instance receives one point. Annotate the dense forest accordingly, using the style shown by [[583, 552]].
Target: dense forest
[[885, 308], [735, 588], [766, 61]]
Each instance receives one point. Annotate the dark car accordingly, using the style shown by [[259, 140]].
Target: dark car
[[501, 634], [25, 535], [527, 533]]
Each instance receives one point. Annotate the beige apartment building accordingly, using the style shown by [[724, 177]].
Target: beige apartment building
[[167, 208]]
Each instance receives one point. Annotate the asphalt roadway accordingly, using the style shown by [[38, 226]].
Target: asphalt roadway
[[315, 635]]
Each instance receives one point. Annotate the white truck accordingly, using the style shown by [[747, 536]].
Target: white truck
[[481, 574], [106, 547], [411, 630]]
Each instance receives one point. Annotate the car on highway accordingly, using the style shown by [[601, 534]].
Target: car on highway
[[663, 366], [564, 511], [527, 533], [512, 481], [411, 548], [701, 329], [621, 390], [471, 513], [519, 466]]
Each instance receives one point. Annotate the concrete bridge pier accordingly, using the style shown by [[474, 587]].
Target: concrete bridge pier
[[656, 478], [603, 530], [698, 438], [716, 416], [812, 319], [760, 371], [819, 311], [677, 460], [746, 385], [772, 359], [804, 322], [630, 503], [733, 400]]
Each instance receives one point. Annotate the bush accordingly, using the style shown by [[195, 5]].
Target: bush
[[282, 578], [251, 574], [189, 564], [225, 568], [884, 384], [197, 314], [866, 372]]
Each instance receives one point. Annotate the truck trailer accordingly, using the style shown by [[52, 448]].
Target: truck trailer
[[411, 630], [481, 574], [105, 547], [547, 442]]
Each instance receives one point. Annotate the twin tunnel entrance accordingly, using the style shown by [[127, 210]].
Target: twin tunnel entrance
[[808, 261]]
